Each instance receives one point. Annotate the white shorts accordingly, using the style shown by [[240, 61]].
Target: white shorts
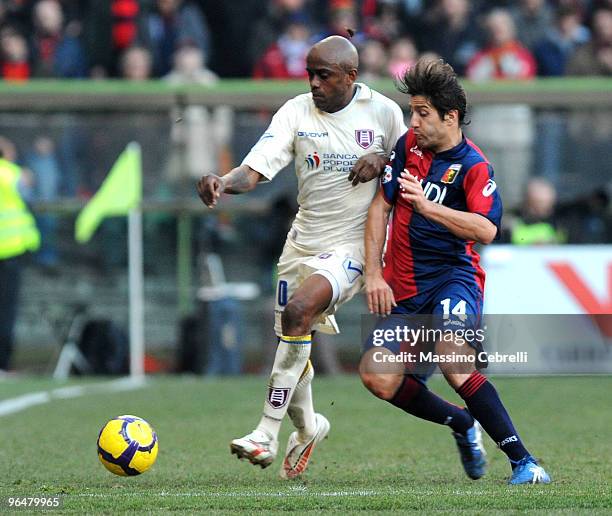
[[342, 266]]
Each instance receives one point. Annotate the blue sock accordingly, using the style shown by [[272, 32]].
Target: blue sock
[[484, 404], [416, 399]]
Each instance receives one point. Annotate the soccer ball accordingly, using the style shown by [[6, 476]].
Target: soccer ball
[[127, 445]]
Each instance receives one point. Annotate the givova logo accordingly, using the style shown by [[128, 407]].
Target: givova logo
[[312, 160]]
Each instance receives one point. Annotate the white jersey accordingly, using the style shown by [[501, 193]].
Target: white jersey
[[325, 147]]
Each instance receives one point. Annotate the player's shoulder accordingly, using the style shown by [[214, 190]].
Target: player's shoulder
[[378, 99], [300, 104], [474, 157]]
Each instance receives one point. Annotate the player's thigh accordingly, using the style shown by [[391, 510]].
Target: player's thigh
[[288, 280], [457, 313], [335, 276], [343, 268], [457, 305]]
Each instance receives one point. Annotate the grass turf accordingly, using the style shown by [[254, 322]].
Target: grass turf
[[376, 458]]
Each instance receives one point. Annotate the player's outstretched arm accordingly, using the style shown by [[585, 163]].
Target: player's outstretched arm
[[463, 224], [368, 167], [379, 294], [238, 180]]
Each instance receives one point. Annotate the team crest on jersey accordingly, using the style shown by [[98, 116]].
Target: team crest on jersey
[[312, 160], [388, 175], [364, 137], [451, 173], [277, 398]]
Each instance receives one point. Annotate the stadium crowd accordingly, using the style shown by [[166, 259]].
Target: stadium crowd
[[139, 39]]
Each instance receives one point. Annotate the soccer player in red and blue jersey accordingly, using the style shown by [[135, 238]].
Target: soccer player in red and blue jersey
[[442, 194]]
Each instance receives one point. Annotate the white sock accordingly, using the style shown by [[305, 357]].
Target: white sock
[[291, 358], [301, 410]]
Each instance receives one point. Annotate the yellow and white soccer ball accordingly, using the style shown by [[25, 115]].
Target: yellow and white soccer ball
[[127, 445]]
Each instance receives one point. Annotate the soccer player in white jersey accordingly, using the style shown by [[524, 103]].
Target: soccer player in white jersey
[[340, 136]]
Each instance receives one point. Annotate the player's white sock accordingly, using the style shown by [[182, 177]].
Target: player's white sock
[[301, 410], [291, 357]]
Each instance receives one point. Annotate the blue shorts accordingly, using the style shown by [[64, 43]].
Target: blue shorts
[[455, 306]]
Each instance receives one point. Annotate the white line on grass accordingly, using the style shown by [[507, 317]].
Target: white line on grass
[[235, 494], [25, 401], [276, 494]]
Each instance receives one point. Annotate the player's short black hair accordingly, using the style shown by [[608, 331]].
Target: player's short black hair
[[437, 81]]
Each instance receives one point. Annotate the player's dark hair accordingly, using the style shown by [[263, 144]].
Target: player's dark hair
[[438, 83]]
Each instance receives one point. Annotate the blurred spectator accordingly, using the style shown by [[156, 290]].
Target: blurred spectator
[[372, 61], [504, 57], [109, 28], [588, 219], [342, 18], [535, 224], [136, 64], [555, 48], [402, 55], [267, 31], [595, 57], [536, 221], [453, 33], [14, 58], [18, 236], [533, 18], [385, 25], [171, 24], [190, 68], [43, 163], [17, 14], [505, 132], [56, 49], [200, 138], [286, 58]]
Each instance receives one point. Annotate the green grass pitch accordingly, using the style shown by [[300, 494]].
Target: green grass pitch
[[376, 457]]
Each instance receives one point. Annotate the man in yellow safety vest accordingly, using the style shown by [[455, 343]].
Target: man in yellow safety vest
[[18, 235]]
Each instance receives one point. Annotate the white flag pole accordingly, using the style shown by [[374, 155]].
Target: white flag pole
[[136, 291]]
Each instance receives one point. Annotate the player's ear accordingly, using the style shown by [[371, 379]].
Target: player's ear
[[451, 116], [352, 75]]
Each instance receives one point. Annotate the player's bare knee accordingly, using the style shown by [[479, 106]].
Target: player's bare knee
[[383, 386], [297, 317]]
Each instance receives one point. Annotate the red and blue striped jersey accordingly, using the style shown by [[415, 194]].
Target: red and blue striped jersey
[[420, 253]]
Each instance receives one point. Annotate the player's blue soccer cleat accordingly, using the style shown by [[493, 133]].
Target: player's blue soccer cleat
[[527, 471], [472, 451]]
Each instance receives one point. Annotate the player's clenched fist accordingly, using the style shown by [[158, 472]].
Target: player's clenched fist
[[380, 296], [210, 188], [368, 167]]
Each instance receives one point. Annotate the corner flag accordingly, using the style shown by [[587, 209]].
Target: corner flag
[[120, 192]]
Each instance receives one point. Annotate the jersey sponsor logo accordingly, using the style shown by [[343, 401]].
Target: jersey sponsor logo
[[339, 162], [417, 151], [489, 188], [312, 134], [353, 269], [434, 193], [388, 175], [312, 160], [364, 137], [451, 173], [277, 398]]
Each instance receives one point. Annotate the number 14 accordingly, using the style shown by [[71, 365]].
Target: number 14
[[458, 309]]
